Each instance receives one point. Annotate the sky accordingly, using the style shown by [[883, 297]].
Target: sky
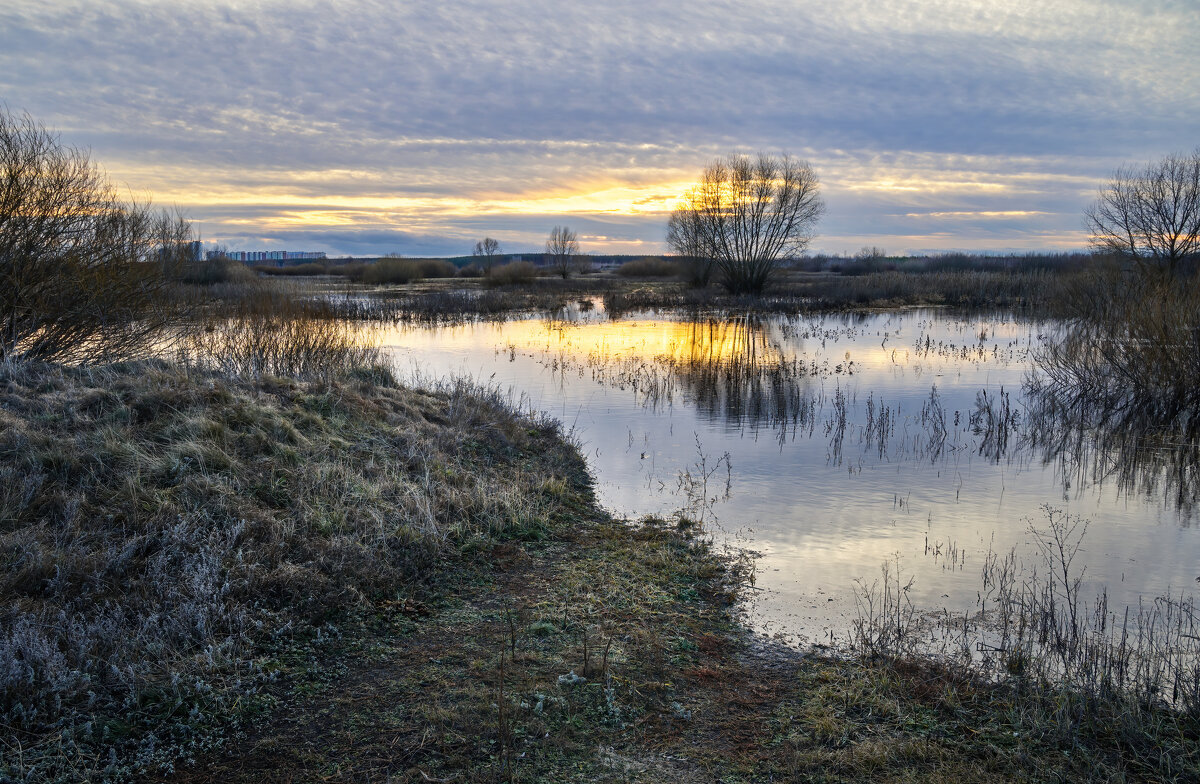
[[365, 127]]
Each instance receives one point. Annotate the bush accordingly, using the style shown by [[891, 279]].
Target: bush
[[1132, 353], [213, 271], [308, 268], [649, 267], [353, 270], [83, 274], [513, 273], [393, 270]]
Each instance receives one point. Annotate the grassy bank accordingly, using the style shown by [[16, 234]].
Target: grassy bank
[[161, 531], [347, 580]]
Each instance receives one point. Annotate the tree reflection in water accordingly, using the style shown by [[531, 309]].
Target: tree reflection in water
[[753, 375]]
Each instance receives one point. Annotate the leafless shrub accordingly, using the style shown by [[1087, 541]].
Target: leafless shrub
[[513, 273], [294, 270], [1132, 350], [395, 270], [83, 273], [649, 267], [213, 271]]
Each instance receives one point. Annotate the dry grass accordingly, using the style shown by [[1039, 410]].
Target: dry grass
[[1121, 687], [159, 529], [266, 330]]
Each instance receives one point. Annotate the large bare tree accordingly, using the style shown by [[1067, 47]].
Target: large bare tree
[[748, 215], [1152, 213], [562, 250], [83, 273]]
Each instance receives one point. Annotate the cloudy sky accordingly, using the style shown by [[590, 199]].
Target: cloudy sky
[[365, 127]]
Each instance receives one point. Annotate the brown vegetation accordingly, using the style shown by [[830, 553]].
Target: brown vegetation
[[162, 529], [512, 274], [1130, 356], [395, 270], [649, 267], [83, 273]]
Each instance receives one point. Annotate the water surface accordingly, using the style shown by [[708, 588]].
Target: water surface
[[829, 445]]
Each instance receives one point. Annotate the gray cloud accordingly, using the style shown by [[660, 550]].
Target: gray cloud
[[474, 99]]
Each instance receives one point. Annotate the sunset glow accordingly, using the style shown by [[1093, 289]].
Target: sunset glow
[[931, 127]]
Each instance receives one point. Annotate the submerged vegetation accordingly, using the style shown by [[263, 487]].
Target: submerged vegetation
[[1074, 669]]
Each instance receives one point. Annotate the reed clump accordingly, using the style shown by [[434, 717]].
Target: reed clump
[[1131, 354], [269, 331]]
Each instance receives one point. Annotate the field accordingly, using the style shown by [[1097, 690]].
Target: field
[[267, 560]]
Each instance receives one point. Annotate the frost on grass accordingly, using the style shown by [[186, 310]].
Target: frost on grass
[[159, 528]]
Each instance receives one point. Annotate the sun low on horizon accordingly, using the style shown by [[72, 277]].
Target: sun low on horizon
[[419, 129]]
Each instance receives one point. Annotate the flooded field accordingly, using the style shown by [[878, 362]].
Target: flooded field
[[831, 445]]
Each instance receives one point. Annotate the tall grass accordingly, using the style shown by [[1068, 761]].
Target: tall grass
[[271, 332], [1071, 665]]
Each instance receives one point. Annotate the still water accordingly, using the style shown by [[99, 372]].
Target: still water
[[829, 445]]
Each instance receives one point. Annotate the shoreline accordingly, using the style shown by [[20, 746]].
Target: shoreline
[[535, 639]]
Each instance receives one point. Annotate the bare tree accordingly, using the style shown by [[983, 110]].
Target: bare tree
[[1151, 214], [685, 238], [83, 273], [562, 248], [486, 251], [748, 216]]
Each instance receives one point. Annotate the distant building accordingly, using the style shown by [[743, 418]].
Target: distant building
[[279, 256], [181, 251]]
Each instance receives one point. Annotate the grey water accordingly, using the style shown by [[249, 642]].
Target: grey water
[[829, 445]]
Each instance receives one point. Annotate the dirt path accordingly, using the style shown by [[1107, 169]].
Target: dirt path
[[613, 656]]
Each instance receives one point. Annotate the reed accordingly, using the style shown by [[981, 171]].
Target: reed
[[269, 331], [1070, 666]]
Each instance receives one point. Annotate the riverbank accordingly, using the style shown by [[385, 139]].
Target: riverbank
[[1034, 292], [350, 580]]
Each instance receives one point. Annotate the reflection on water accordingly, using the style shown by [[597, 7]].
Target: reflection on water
[[847, 440]]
